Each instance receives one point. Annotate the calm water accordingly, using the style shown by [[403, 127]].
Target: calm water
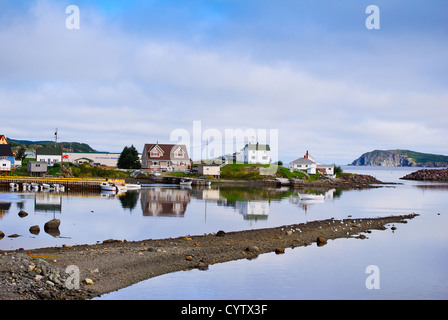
[[412, 261]]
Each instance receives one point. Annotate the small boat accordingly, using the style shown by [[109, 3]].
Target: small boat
[[14, 185], [185, 182], [131, 186], [45, 186], [58, 187], [311, 196], [35, 186], [107, 186]]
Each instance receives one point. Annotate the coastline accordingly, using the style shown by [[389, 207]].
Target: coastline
[[115, 264]]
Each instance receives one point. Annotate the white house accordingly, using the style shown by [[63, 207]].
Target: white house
[[5, 164], [311, 166], [49, 155], [254, 154]]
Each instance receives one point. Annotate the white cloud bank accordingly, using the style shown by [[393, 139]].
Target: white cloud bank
[[108, 88]]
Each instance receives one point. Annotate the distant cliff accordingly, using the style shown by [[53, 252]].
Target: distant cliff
[[400, 158]]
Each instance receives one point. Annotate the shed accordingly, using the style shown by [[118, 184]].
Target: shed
[[209, 169], [5, 164], [37, 168]]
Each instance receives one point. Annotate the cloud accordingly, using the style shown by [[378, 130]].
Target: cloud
[[109, 86]]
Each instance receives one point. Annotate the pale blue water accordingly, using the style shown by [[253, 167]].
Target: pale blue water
[[412, 260]]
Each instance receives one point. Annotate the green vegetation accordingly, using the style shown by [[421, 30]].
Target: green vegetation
[[424, 159], [129, 159], [67, 146]]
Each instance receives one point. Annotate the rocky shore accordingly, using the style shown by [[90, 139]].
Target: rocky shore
[[428, 175], [87, 271]]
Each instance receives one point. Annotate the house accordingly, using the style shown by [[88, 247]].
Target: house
[[165, 157], [49, 155], [209, 169], [5, 165], [311, 166], [35, 168], [6, 151], [254, 154]]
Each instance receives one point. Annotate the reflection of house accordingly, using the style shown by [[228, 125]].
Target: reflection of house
[[167, 202], [254, 210], [311, 166], [47, 202], [165, 157]]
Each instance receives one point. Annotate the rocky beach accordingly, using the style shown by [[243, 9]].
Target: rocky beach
[[88, 271], [428, 175]]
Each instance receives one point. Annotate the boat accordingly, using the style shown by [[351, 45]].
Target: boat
[[131, 186], [185, 182], [311, 196], [107, 186], [58, 187], [45, 186], [14, 185]]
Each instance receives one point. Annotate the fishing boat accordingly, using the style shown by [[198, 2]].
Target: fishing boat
[[107, 186], [132, 186], [14, 185], [185, 182]]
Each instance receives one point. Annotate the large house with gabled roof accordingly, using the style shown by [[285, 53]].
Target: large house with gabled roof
[[165, 157]]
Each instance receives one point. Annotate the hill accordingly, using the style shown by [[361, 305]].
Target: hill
[[400, 158], [67, 146]]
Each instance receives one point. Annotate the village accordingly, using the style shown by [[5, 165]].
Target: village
[[155, 159]]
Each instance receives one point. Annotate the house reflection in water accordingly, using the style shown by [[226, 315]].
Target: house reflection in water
[[165, 202], [253, 210], [48, 202]]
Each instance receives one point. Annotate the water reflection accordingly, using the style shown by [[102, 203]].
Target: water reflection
[[166, 202]]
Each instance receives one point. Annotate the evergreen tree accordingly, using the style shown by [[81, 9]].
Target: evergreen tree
[[129, 159]]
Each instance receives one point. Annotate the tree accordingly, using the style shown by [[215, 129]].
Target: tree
[[129, 159]]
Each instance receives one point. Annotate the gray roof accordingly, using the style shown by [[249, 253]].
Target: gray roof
[[262, 147], [303, 161]]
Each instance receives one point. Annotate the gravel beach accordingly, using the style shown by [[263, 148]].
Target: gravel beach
[[88, 271]]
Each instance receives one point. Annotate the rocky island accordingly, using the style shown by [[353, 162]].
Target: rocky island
[[400, 158]]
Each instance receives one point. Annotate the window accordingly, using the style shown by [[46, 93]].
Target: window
[[264, 158]]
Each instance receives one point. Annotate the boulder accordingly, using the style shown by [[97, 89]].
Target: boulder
[[52, 227], [321, 241], [23, 214], [280, 250], [35, 230], [252, 249], [2, 235]]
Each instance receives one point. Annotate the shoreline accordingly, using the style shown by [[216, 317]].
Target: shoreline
[[40, 274]]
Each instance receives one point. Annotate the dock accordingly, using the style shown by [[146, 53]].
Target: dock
[[92, 184]]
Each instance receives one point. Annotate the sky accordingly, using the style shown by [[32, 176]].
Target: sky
[[303, 75]]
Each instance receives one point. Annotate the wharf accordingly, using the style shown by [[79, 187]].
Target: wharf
[[68, 183]]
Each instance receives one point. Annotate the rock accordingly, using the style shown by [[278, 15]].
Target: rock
[[189, 258], [252, 249], [52, 227], [2, 235], [220, 233], [362, 236], [321, 240], [23, 214], [15, 235], [280, 250], [35, 230], [89, 281], [393, 228], [52, 224], [112, 241], [289, 232]]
